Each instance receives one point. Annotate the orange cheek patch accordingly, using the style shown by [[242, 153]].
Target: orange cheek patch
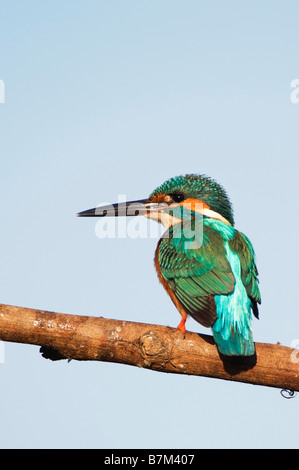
[[194, 204]]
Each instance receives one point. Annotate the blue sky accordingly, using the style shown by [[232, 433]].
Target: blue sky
[[107, 98]]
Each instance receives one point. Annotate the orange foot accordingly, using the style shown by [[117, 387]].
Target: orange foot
[[182, 326]]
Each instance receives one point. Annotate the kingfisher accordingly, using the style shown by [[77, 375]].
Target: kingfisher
[[206, 266]]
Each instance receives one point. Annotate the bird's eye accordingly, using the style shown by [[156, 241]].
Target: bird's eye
[[177, 197]]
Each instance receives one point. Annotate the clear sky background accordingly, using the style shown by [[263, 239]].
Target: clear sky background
[[113, 97]]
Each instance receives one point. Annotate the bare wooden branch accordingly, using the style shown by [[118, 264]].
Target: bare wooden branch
[[155, 347]]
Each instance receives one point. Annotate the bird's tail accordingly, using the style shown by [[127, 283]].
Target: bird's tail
[[232, 328], [232, 342]]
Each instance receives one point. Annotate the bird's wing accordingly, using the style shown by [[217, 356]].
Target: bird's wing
[[241, 245], [196, 270]]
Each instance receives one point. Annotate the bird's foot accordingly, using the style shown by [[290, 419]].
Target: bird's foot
[[182, 326]]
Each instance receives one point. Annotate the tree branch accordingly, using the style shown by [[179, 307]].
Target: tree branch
[[155, 347]]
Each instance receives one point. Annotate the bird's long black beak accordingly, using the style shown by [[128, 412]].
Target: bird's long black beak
[[129, 208]]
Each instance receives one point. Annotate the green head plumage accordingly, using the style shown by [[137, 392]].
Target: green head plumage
[[199, 187]]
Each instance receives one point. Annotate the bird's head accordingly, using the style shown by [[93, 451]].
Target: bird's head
[[199, 192]]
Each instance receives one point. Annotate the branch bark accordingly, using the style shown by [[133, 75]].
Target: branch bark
[[155, 347]]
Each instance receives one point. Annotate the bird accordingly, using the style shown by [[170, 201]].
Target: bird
[[206, 266]]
